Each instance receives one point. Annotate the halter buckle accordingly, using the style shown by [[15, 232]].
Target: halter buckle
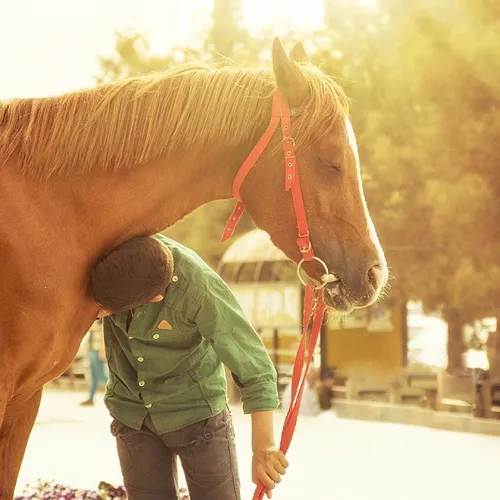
[[306, 249]]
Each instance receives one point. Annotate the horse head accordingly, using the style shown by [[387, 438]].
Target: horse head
[[342, 233]]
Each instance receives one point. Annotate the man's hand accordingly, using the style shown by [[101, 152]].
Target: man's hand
[[268, 462], [268, 465]]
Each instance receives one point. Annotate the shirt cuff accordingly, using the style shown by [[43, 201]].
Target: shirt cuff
[[260, 397]]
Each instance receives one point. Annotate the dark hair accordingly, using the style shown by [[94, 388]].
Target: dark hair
[[132, 274]]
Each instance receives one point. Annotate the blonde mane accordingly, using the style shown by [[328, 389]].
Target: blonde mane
[[124, 124]]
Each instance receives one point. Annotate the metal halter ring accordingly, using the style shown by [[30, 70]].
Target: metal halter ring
[[326, 278]]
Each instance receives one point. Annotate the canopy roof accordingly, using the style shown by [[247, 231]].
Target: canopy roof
[[254, 246]]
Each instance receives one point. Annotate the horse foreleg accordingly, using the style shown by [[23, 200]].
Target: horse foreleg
[[15, 429]]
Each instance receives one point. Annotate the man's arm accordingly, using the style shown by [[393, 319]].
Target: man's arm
[[268, 462], [221, 320]]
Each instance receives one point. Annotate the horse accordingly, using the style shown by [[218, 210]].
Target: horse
[[82, 172]]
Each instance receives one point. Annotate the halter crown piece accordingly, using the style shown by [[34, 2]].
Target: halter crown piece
[[314, 305]]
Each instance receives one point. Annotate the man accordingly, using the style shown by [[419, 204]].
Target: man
[[174, 323]]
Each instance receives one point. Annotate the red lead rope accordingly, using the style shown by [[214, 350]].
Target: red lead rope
[[314, 306]]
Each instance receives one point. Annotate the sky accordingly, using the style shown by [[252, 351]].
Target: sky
[[52, 46]]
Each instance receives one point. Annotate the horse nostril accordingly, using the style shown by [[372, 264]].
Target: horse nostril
[[374, 275]]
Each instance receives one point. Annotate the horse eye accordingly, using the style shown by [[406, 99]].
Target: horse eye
[[330, 164]]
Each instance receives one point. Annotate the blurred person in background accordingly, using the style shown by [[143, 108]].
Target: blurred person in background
[[97, 360]]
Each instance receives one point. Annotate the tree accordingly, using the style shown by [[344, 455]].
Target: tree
[[455, 78], [226, 29]]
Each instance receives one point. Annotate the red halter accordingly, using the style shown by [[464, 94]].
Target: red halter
[[314, 306], [280, 112]]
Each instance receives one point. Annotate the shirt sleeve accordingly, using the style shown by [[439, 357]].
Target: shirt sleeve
[[221, 320]]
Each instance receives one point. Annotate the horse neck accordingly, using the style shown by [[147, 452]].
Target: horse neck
[[76, 219], [152, 197]]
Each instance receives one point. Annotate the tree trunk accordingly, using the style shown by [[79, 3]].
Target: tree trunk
[[456, 345], [225, 31]]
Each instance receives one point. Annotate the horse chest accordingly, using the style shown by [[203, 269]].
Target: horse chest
[[39, 345]]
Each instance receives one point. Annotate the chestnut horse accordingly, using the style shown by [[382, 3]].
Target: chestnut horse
[[82, 172]]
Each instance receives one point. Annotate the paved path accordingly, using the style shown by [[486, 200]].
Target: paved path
[[330, 458]]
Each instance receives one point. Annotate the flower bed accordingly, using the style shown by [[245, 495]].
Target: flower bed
[[49, 490]]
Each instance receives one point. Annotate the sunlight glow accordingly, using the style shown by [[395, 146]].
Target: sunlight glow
[[369, 4], [52, 46], [283, 15]]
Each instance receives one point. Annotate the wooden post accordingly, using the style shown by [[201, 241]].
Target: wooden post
[[276, 346], [487, 397], [477, 391], [482, 394], [404, 334], [322, 350]]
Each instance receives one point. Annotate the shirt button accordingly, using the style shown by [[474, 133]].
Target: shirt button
[[156, 336], [175, 278], [142, 383], [149, 405], [140, 359]]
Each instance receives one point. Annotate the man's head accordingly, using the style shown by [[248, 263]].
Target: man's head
[[133, 274]]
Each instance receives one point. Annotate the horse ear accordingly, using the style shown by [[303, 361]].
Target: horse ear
[[298, 53], [289, 76]]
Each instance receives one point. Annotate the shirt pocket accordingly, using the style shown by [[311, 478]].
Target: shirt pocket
[[176, 332]]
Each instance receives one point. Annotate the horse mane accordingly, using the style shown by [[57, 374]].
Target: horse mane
[[123, 124]]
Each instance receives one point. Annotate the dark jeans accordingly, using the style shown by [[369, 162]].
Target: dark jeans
[[206, 450]]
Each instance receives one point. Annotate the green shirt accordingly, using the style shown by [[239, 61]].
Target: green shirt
[[170, 360]]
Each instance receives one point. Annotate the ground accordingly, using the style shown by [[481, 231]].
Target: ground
[[330, 458]]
